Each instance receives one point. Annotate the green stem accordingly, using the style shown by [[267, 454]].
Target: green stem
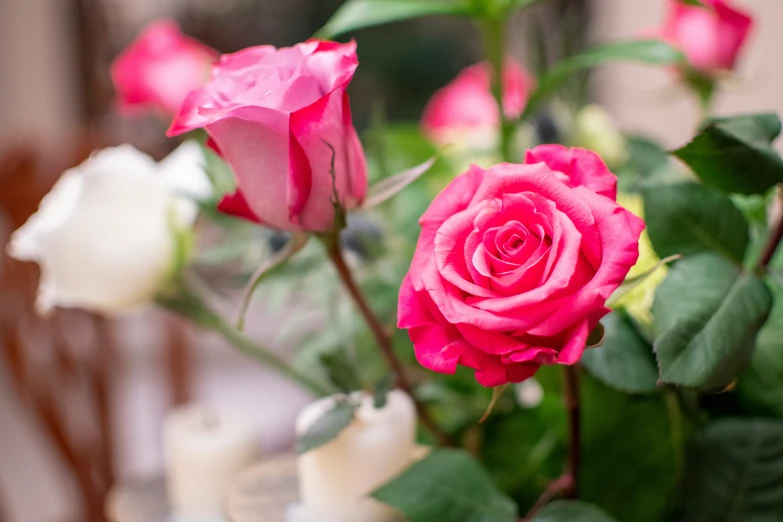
[[186, 303], [495, 51], [567, 485], [382, 337], [573, 407], [704, 89], [675, 429], [705, 103]]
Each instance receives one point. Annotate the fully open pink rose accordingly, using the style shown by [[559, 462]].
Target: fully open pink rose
[[711, 36], [466, 110], [160, 68], [514, 266], [273, 115]]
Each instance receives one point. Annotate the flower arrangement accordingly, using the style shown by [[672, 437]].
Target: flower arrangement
[[600, 322]]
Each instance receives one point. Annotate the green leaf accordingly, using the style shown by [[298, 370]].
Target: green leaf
[[326, 427], [756, 129], [653, 52], [358, 14], [735, 472], [735, 154], [295, 243], [571, 511], [447, 486], [391, 186], [596, 337], [707, 314], [760, 388], [382, 389], [183, 240], [687, 218], [625, 361], [341, 371], [632, 449], [645, 156]]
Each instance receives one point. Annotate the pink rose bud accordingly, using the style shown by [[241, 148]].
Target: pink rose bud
[[514, 265], [158, 70], [710, 36], [275, 115], [466, 110]]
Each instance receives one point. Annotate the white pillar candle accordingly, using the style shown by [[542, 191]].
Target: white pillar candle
[[335, 479], [204, 450]]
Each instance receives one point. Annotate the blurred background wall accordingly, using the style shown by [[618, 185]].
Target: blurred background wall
[[39, 84], [56, 105], [644, 99], [42, 88]]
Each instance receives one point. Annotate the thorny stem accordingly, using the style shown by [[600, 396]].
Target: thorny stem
[[567, 484], [553, 490], [332, 245], [331, 241], [774, 238]]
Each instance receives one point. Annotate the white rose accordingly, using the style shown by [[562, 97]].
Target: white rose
[[105, 237], [184, 172]]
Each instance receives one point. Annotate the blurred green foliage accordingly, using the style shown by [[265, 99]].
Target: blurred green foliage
[[651, 450]]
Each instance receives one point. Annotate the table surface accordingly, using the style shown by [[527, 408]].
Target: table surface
[[263, 492], [259, 494]]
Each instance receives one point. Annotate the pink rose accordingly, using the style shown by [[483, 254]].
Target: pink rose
[[466, 108], [273, 115], [514, 266], [711, 36], [160, 68]]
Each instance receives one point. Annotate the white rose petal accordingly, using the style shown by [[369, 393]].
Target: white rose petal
[[53, 209], [184, 172], [103, 236]]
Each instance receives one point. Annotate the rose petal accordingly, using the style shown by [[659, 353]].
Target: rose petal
[[577, 166], [300, 178], [257, 168], [236, 205], [494, 343], [451, 200], [479, 273], [537, 355], [449, 251], [565, 268], [160, 68], [539, 179], [734, 27], [619, 232], [311, 126]]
